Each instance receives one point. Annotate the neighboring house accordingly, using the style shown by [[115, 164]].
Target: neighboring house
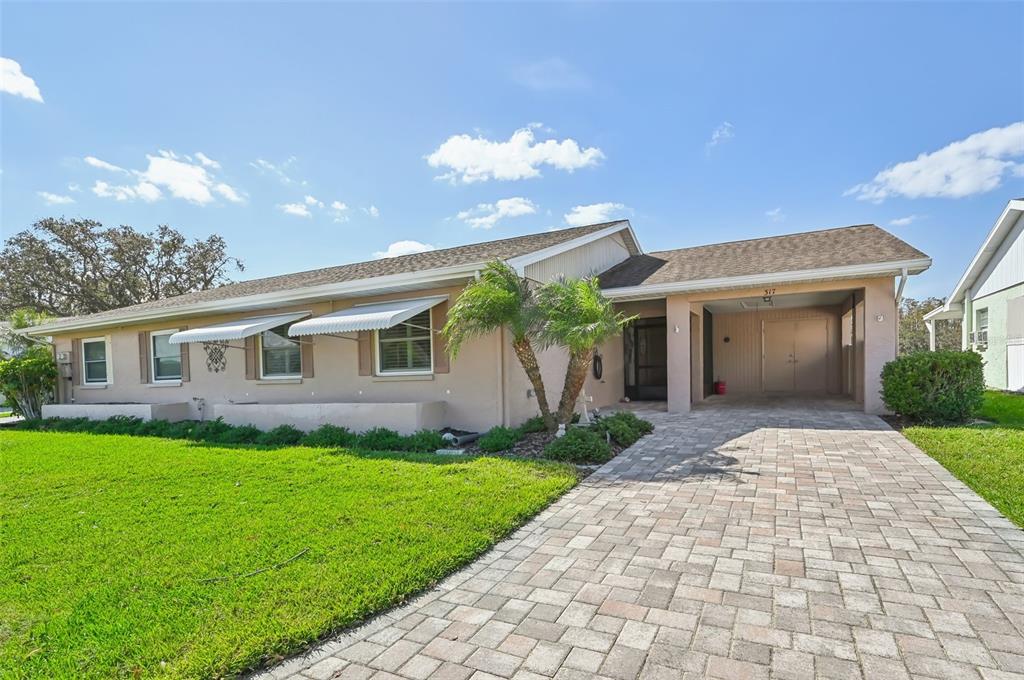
[[989, 299], [358, 344]]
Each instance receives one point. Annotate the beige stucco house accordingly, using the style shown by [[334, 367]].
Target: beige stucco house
[[358, 344]]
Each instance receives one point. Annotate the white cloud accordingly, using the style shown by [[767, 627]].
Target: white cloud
[[143, 190], [550, 74], [904, 221], [475, 159], [207, 161], [103, 165], [399, 248], [721, 134], [14, 81], [54, 199], [297, 209], [966, 167], [340, 211], [74, 187], [593, 214], [185, 177], [372, 211], [775, 214], [312, 201], [280, 170], [486, 215]]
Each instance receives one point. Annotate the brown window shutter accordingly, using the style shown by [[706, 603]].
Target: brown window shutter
[[438, 317], [250, 358], [144, 354], [365, 353], [186, 370], [76, 362], [306, 357]]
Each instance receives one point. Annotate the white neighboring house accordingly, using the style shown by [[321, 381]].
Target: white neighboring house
[[989, 299]]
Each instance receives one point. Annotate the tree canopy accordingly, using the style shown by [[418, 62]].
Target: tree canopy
[[913, 332], [68, 267]]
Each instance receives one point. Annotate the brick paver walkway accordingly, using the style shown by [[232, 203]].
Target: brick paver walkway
[[755, 540]]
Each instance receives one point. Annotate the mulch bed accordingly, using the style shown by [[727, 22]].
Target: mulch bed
[[530, 446]]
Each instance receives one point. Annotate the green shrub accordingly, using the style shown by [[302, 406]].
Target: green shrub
[[380, 439], [934, 387], [499, 439], [282, 435], [579, 445], [26, 381], [116, 425], [68, 424], [210, 430], [534, 424], [424, 441], [241, 434], [624, 427], [330, 437]]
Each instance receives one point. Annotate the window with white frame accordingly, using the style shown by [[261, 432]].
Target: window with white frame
[[94, 361], [406, 348], [166, 357], [280, 356], [981, 320]]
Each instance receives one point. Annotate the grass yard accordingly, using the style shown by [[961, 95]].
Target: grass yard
[[987, 458], [133, 556]]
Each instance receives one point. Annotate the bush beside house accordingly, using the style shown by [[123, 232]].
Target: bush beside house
[[934, 387]]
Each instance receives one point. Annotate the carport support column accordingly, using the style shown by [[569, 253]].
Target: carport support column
[[677, 320], [880, 323]]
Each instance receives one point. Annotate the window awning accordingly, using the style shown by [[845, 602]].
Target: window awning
[[371, 317], [234, 330]]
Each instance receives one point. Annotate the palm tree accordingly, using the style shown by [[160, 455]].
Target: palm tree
[[576, 316], [500, 298]]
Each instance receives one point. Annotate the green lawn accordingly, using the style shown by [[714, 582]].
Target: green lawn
[[987, 458], [133, 556]]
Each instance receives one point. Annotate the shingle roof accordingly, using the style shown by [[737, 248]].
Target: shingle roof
[[418, 262], [843, 246]]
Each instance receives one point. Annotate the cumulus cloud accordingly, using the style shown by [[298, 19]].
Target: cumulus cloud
[[189, 178], [399, 248], [904, 221], [550, 74], [14, 81], [313, 202], [297, 209], [594, 213], [721, 134], [54, 199], [476, 159], [966, 167], [486, 215], [775, 214], [372, 211], [339, 211], [206, 160]]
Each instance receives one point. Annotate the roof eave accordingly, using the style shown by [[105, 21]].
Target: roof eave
[[999, 230], [521, 262], [915, 266]]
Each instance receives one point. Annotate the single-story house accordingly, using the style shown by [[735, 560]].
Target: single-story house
[[989, 300], [358, 344]]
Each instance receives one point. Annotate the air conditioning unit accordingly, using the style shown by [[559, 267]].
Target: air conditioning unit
[[979, 339]]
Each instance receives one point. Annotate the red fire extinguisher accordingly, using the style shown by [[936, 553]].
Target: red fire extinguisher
[[719, 387]]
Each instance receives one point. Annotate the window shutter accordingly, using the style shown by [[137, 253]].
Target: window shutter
[[306, 357], [186, 371], [144, 353], [76, 362], [365, 353], [438, 317], [250, 358]]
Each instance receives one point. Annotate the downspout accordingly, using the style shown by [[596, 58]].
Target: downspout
[[899, 299]]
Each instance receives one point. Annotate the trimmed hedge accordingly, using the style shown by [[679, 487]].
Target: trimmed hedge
[[219, 432], [934, 387]]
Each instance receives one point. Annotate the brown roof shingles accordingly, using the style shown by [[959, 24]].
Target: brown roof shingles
[[861, 244]]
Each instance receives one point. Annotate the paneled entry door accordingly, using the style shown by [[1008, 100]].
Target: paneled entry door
[[795, 356]]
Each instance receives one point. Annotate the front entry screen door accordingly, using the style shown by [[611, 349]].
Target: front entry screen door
[[796, 355], [645, 346]]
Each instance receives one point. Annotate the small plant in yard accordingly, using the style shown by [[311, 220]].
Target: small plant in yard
[[424, 441], [330, 437], [380, 439], [501, 438], [282, 435], [27, 381], [240, 434], [934, 387], [579, 445], [625, 427], [117, 425], [211, 430], [533, 425]]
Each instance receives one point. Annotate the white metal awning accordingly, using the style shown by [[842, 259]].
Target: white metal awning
[[234, 330], [371, 317]]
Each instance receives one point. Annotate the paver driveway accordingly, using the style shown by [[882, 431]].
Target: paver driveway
[[747, 540]]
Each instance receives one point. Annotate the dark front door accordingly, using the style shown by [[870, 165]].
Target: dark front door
[[645, 345]]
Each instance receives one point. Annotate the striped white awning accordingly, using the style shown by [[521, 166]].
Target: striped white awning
[[373, 317], [234, 330]]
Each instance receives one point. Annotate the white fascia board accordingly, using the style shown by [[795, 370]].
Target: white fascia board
[[954, 311], [264, 300], [521, 262], [754, 280], [998, 232]]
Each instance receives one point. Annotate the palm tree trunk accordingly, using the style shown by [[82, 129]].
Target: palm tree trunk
[[575, 376], [528, 360]]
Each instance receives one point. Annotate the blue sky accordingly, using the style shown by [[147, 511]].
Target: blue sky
[[316, 134]]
